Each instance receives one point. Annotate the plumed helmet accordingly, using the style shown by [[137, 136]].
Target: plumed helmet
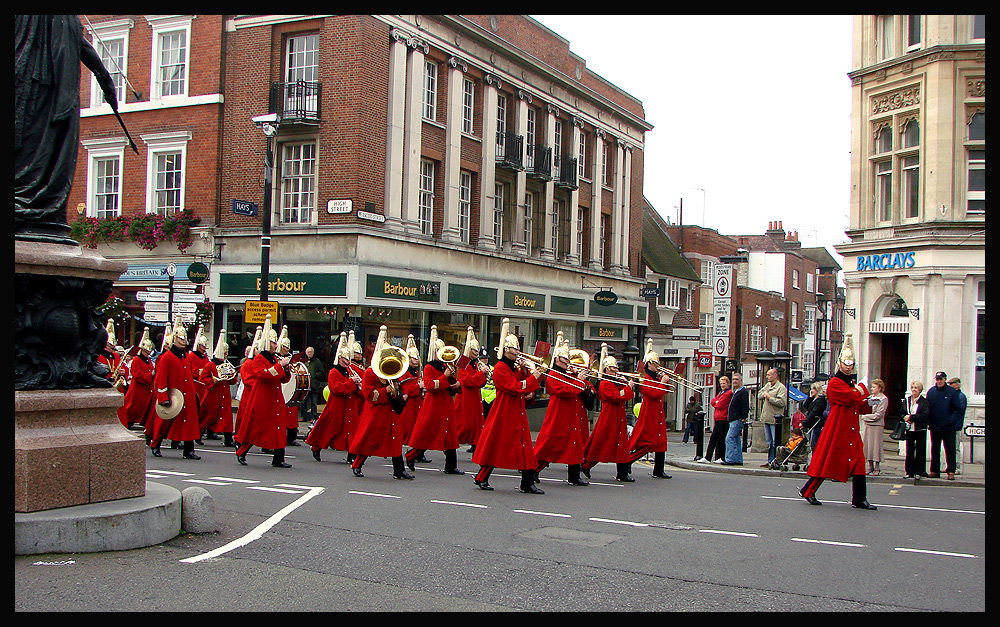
[[847, 352], [607, 361], [221, 347], [200, 339], [267, 335], [354, 346], [344, 350], [471, 348], [256, 341], [560, 348], [507, 339], [651, 355], [179, 330], [283, 342], [110, 328], [145, 343], [432, 344], [411, 348]]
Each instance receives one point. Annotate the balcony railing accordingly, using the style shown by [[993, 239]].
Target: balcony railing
[[296, 102], [540, 161], [566, 176], [510, 147]]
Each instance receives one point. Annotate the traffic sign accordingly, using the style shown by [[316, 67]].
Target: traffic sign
[[254, 311], [161, 316], [244, 208], [152, 305], [162, 297], [723, 280], [189, 298], [649, 292], [721, 347], [975, 431], [722, 307]]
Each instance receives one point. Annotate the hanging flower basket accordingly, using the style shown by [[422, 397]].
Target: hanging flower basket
[[146, 231]]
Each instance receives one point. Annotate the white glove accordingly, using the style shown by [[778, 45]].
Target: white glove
[[864, 381]]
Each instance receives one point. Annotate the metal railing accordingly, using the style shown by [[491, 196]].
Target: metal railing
[[540, 161], [296, 102], [566, 176], [510, 147]]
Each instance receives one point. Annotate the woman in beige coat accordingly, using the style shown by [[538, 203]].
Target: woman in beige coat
[[873, 425]]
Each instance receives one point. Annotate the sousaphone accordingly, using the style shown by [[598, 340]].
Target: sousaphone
[[176, 405]]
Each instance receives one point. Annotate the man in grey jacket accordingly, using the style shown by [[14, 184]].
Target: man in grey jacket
[[772, 396]]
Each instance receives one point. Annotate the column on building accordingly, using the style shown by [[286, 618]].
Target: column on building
[[575, 255], [517, 243], [919, 342], [412, 134], [487, 176], [453, 150], [617, 245], [395, 124], [547, 252], [626, 211], [596, 256]]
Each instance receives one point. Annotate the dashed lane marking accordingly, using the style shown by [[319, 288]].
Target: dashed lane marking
[[461, 504], [528, 511], [830, 542], [945, 553]]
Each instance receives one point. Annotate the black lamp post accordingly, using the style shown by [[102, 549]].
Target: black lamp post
[[269, 124]]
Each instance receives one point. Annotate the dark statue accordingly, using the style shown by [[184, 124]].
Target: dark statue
[[58, 333]]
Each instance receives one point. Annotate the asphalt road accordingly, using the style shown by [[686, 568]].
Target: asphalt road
[[315, 538]]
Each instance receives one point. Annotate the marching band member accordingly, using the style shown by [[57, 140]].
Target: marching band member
[[173, 371], [505, 441], [139, 393], [111, 356], [560, 439], [197, 360], [436, 428], [412, 385], [330, 430], [469, 400], [292, 426], [488, 392], [358, 368], [264, 423], [248, 376], [164, 347], [650, 431], [839, 451], [380, 423], [609, 440], [215, 413]]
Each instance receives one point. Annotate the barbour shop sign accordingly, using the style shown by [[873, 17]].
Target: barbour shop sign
[[605, 297], [285, 284], [378, 286], [516, 299]]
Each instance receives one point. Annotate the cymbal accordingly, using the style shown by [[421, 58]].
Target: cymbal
[[175, 407]]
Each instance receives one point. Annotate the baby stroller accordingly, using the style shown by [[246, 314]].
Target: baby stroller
[[797, 456]]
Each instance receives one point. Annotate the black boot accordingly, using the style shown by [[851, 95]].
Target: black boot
[[574, 475], [189, 450], [228, 440], [624, 473], [451, 463], [292, 435], [859, 498], [279, 459], [528, 483], [399, 469], [659, 459], [211, 435], [316, 454]]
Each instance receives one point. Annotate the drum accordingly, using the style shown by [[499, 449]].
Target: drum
[[296, 390]]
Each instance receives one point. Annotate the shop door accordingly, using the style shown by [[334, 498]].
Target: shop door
[[894, 367]]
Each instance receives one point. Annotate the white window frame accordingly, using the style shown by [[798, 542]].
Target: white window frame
[[796, 355], [425, 214], [795, 279], [707, 273], [581, 163], [795, 315], [164, 26], [468, 104], [809, 282], [529, 161], [117, 30], [882, 193], [756, 341], [499, 194], [554, 235], [501, 125], [580, 224], [97, 150], [706, 327], [972, 29], [971, 146], [304, 213], [430, 90], [464, 205], [885, 41], [301, 71], [809, 322], [557, 149], [809, 363], [158, 144], [604, 159], [908, 32], [529, 202]]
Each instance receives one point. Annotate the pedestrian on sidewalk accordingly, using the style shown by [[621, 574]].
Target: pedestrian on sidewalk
[[772, 397], [916, 414], [815, 408], [717, 441], [873, 426], [739, 409], [695, 415], [946, 416]]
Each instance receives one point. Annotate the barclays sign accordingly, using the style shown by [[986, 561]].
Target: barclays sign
[[886, 261]]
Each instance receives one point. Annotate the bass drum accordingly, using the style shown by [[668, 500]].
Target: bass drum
[[296, 390]]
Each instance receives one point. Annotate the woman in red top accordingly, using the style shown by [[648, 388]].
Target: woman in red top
[[717, 442], [649, 435], [609, 440]]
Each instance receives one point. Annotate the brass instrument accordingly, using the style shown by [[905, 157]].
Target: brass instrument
[[117, 376], [227, 372], [691, 385], [530, 362], [449, 355], [389, 364]]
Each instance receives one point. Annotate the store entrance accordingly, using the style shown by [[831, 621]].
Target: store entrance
[[894, 353]]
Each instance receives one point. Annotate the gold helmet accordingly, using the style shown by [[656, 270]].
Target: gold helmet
[[221, 347], [560, 348], [179, 330], [199, 338], [847, 352], [110, 328], [433, 344], [411, 348], [651, 355], [607, 361], [145, 343], [507, 339], [283, 342], [256, 341], [471, 349], [344, 351], [167, 332], [267, 336]]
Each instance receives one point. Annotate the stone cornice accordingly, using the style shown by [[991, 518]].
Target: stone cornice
[[936, 53]]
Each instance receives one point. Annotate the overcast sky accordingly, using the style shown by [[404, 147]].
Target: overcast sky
[[755, 110]]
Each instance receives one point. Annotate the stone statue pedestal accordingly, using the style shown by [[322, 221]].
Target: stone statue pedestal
[[69, 446]]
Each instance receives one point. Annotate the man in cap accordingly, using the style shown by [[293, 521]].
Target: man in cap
[[173, 372], [839, 451], [946, 412]]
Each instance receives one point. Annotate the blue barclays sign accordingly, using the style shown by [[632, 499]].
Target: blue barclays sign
[[886, 261]]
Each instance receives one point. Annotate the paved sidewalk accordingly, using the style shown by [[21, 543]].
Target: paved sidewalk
[[891, 469]]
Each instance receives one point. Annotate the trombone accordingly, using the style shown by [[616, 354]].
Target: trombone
[[531, 362], [691, 385]]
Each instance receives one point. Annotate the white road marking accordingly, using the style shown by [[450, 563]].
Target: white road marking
[[729, 533], [292, 485], [385, 496], [260, 487], [935, 552], [620, 522], [925, 509], [171, 472], [206, 481], [528, 511], [462, 504], [831, 542], [234, 480], [149, 476], [258, 531]]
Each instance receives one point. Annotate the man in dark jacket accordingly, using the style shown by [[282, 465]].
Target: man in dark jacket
[[739, 408], [946, 416]]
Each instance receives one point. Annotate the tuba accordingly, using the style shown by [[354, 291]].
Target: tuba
[[449, 355], [390, 363]]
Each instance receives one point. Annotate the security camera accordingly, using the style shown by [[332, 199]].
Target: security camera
[[269, 123]]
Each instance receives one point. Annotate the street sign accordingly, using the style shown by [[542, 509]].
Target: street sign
[[975, 431], [161, 316], [152, 296], [171, 269], [189, 298], [197, 272], [722, 308], [177, 308], [162, 297], [721, 347], [649, 292], [244, 208], [723, 280], [606, 298], [254, 311], [704, 360], [177, 288], [339, 206]]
